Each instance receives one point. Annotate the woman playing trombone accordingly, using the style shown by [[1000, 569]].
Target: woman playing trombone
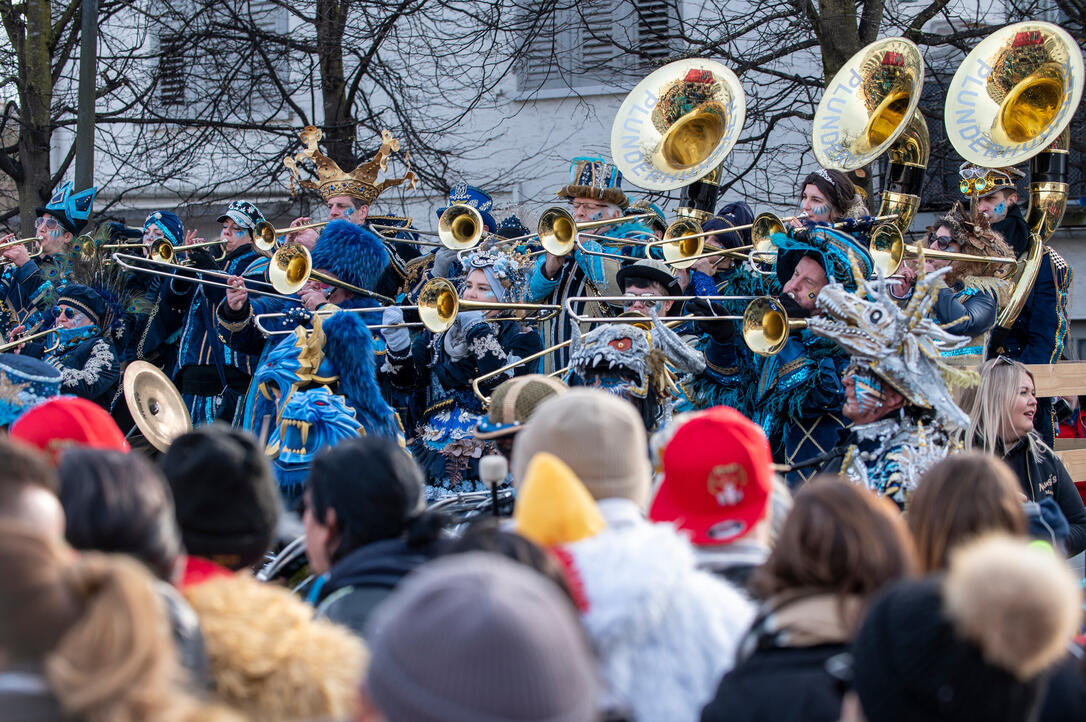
[[439, 369]]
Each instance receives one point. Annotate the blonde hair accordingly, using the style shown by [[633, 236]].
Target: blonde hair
[[991, 412], [96, 625]]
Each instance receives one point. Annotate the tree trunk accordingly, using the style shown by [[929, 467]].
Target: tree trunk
[[838, 34], [35, 98], [339, 125]]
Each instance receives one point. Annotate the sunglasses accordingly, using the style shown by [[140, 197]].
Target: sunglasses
[[942, 242], [67, 312], [50, 224]]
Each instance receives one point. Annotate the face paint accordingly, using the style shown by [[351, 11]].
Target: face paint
[[1000, 210], [820, 211], [489, 295], [348, 212], [812, 296], [869, 393], [597, 216]]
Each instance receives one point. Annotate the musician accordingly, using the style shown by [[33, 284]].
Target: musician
[[442, 366], [444, 262], [797, 394], [904, 419], [974, 292], [1040, 331], [827, 196], [644, 279], [657, 223], [81, 345], [716, 275], [349, 197], [148, 334], [29, 285], [211, 376]]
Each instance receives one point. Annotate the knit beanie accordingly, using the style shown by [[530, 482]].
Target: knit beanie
[[599, 436], [225, 496], [64, 421], [973, 645], [477, 637]]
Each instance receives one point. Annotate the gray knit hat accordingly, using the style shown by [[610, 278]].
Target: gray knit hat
[[600, 436], [479, 638]]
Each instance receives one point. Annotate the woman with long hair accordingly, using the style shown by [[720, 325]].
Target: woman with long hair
[[840, 545], [1001, 423]]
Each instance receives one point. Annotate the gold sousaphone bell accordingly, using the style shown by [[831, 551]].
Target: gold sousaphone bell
[[1014, 94], [678, 124], [155, 404]]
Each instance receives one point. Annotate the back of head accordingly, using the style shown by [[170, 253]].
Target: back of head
[[599, 436], [477, 636], [375, 488], [963, 497], [840, 539], [120, 503], [92, 622], [67, 421], [224, 493], [26, 483], [973, 645]]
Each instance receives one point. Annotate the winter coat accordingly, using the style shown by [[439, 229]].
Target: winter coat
[[362, 579], [1041, 474], [664, 631], [790, 647]]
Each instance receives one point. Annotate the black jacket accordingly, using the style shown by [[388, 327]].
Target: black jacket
[[362, 579], [779, 684], [1041, 474]]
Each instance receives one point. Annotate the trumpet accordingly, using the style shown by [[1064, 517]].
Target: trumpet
[[889, 250], [291, 267], [204, 278], [558, 228], [33, 251], [264, 234], [439, 305], [16, 343]]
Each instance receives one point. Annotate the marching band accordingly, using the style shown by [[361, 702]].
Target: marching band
[[852, 348]]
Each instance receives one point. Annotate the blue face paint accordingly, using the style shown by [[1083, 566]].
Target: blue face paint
[[1000, 210], [818, 211], [869, 393], [348, 212]]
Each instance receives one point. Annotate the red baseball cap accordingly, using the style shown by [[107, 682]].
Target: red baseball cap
[[717, 477], [65, 421]]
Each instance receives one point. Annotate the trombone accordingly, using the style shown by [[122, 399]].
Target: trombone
[[160, 250], [684, 240], [164, 252], [16, 343], [127, 261], [264, 234], [291, 267], [616, 300], [558, 228], [889, 250], [439, 305], [259, 319]]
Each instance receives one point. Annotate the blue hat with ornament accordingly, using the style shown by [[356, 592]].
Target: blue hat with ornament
[[593, 177], [71, 209], [512, 227], [477, 198], [25, 382], [170, 225], [504, 274], [86, 300], [244, 213], [658, 219], [830, 248]]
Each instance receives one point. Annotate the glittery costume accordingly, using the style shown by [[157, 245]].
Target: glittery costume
[[903, 348]]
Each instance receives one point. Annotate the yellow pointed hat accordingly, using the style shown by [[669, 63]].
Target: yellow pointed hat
[[553, 506]]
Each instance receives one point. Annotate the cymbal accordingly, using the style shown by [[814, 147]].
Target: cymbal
[[156, 404]]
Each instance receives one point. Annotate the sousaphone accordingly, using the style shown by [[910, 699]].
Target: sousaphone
[[155, 404], [678, 124], [1014, 94]]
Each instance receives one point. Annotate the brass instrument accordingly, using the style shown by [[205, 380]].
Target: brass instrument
[[684, 240], [156, 404], [766, 326], [1014, 94], [291, 267], [378, 227], [678, 124], [259, 319], [460, 227], [132, 263], [558, 228], [165, 252], [888, 250], [567, 307], [160, 249], [438, 305], [16, 343], [264, 234], [32, 251]]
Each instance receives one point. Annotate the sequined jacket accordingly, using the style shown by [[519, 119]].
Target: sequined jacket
[[89, 369]]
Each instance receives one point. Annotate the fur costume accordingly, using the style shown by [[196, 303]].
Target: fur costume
[[269, 657], [353, 254], [665, 632]]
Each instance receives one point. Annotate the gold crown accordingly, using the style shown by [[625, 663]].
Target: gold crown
[[361, 183]]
